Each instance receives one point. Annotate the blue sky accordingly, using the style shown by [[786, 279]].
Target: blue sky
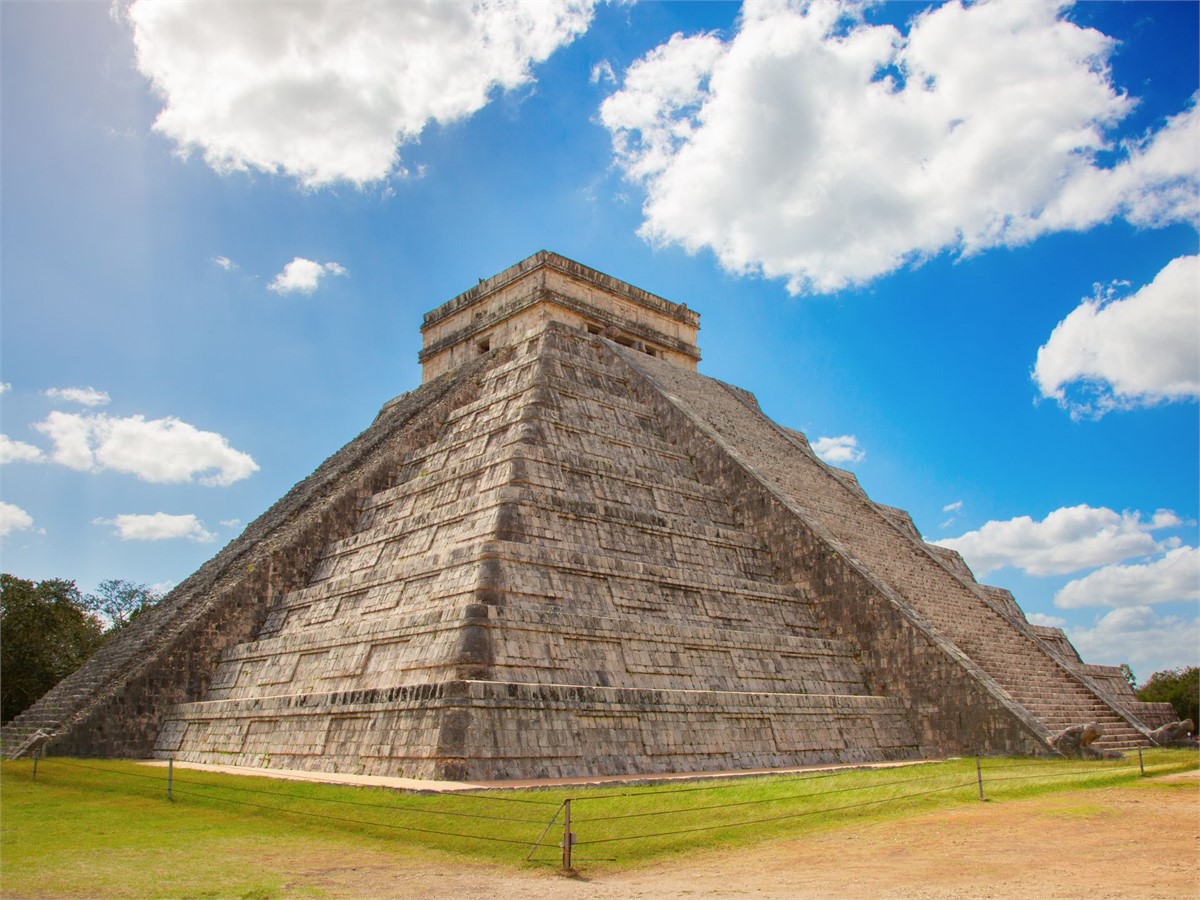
[[956, 246]]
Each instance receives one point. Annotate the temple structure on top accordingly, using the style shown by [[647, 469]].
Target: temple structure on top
[[546, 287], [568, 553]]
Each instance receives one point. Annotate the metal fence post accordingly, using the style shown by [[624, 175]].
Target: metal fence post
[[36, 754], [568, 838], [979, 775], [170, 775], [1141, 762]]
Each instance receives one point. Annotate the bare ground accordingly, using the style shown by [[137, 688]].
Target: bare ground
[[1130, 842]]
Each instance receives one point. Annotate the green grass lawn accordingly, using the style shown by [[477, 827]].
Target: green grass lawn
[[105, 828]]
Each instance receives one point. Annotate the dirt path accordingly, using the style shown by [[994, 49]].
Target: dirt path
[[1134, 842]]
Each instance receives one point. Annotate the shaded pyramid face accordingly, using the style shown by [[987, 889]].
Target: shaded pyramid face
[[567, 553]]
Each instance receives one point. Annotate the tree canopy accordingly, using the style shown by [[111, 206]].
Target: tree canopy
[[1179, 687], [118, 601], [48, 629], [47, 634]]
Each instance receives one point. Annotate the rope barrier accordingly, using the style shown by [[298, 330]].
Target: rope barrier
[[58, 761], [1061, 774], [811, 812], [845, 790], [724, 784], [499, 799], [230, 787], [413, 809], [1097, 768], [297, 812]]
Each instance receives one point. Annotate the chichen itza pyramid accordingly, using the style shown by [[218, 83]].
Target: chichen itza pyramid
[[567, 553]]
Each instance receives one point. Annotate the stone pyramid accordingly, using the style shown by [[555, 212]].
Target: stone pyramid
[[567, 553]]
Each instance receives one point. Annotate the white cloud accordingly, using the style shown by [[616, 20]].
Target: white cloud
[[1138, 636], [230, 523], [1156, 183], [1175, 576], [158, 527], [602, 72], [953, 508], [225, 263], [325, 93], [303, 275], [87, 396], [841, 449], [18, 451], [5, 387], [159, 450], [1135, 351], [1043, 619], [13, 518], [814, 147], [1067, 540]]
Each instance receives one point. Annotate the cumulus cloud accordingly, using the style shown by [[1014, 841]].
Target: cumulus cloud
[[156, 450], [1067, 540], [1156, 183], [1139, 350], [5, 387], [225, 263], [158, 527], [1175, 576], [18, 451], [303, 275], [815, 147], [841, 449], [326, 93], [87, 396], [13, 518], [1139, 636]]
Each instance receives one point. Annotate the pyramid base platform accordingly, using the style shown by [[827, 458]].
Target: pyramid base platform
[[523, 731]]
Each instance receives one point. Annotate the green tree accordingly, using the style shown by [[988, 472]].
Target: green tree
[[46, 633], [1127, 674], [1179, 687], [119, 601]]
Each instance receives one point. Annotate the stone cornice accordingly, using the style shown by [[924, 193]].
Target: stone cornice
[[582, 307], [572, 269]]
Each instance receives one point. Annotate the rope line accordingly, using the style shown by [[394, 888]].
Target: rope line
[[810, 812], [1093, 769], [412, 809], [549, 825], [1101, 772], [845, 790], [231, 787], [500, 799], [724, 783], [59, 762], [297, 812], [1031, 765]]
